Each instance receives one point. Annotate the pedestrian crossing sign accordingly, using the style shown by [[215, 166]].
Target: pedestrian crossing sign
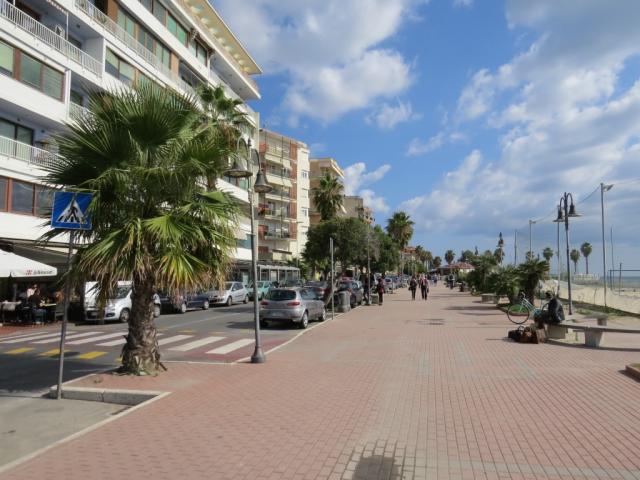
[[70, 210]]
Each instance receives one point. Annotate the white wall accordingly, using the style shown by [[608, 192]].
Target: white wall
[[303, 202]]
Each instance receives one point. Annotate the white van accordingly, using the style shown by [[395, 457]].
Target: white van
[[118, 307]]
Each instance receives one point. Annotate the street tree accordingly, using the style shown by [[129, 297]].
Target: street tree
[[437, 261], [575, 257], [328, 197], [498, 254], [349, 242], [466, 256], [385, 256], [400, 229], [449, 256], [586, 249], [142, 152], [530, 274], [548, 253]]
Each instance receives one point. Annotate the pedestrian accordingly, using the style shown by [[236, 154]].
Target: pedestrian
[[380, 289], [412, 286], [424, 286]]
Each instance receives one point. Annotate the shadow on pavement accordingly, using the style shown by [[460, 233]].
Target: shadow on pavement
[[377, 467]]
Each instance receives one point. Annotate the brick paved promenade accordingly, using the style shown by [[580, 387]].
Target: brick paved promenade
[[407, 390]]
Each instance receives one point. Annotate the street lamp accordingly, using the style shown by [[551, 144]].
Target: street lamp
[[238, 170], [604, 188], [531, 222], [566, 210], [369, 220], [500, 246]]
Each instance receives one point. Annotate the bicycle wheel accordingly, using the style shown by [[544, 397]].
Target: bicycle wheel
[[518, 313]]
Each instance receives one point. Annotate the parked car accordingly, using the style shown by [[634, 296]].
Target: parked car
[[293, 283], [182, 302], [389, 285], [116, 308], [296, 305], [355, 290], [232, 292], [263, 289], [319, 287]]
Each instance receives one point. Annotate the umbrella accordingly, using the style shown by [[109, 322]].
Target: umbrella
[[12, 265]]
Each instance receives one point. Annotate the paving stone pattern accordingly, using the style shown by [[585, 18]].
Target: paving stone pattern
[[409, 390]]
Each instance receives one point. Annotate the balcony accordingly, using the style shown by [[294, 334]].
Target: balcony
[[34, 156], [130, 42], [77, 112], [276, 235], [47, 36]]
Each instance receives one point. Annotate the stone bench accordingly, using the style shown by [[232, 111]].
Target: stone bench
[[488, 297], [592, 333]]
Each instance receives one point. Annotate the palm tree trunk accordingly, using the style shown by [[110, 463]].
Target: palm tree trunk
[[586, 259], [140, 354]]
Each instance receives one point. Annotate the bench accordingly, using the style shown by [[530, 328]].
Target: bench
[[488, 297], [592, 333]]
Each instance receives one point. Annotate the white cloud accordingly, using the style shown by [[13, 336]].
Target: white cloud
[[388, 116], [329, 50], [374, 202], [564, 119], [418, 147], [356, 177]]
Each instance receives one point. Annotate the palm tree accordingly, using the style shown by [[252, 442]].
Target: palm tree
[[547, 253], [437, 261], [498, 253], [328, 197], [530, 274], [449, 256], [400, 229], [428, 257], [575, 256], [586, 249], [143, 153], [419, 253]]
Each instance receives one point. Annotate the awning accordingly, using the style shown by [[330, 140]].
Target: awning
[[12, 265]]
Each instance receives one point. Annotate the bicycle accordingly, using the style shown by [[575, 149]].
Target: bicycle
[[520, 312]]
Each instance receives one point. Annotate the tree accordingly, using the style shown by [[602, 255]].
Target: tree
[[449, 256], [142, 152], [349, 242], [586, 249], [530, 274], [547, 253], [400, 229], [529, 255], [428, 257], [328, 197], [466, 256], [385, 256], [498, 253], [575, 257], [437, 261], [483, 266]]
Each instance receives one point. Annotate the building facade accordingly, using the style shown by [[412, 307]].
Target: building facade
[[319, 167], [52, 51]]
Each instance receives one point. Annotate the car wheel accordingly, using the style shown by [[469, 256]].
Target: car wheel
[[323, 315], [263, 324], [205, 305], [246, 299], [304, 322], [124, 315], [156, 311], [229, 301], [182, 308]]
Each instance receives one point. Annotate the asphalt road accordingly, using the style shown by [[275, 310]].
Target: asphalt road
[[29, 358]]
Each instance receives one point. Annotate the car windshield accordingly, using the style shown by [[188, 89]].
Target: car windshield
[[228, 285], [122, 291], [281, 295]]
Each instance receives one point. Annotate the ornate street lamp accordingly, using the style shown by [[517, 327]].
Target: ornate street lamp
[[238, 170], [566, 210], [500, 246]]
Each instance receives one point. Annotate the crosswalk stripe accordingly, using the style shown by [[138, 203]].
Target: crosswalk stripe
[[22, 335], [95, 339], [173, 339], [51, 353], [32, 337], [231, 346], [120, 341], [68, 337], [90, 355], [17, 351], [196, 343]]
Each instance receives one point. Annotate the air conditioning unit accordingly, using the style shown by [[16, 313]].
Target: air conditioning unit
[[60, 30]]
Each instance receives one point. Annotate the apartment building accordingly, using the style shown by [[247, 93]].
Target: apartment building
[[51, 51], [319, 167], [355, 208], [283, 213]]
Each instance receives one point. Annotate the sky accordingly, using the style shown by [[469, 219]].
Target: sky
[[473, 116]]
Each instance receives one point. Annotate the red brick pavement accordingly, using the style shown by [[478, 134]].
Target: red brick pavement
[[407, 390]]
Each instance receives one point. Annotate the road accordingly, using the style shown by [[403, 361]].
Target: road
[[29, 358]]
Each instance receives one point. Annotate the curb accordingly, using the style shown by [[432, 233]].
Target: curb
[[633, 370], [117, 396]]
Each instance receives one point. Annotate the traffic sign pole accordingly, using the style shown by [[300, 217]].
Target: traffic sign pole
[[63, 332]]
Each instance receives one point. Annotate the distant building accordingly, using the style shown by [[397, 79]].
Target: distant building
[[457, 267], [320, 167]]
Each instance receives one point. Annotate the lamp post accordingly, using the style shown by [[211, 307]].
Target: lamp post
[[530, 255], [564, 212], [604, 188], [260, 186], [369, 220], [500, 246]]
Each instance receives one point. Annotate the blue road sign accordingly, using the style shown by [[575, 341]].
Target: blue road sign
[[70, 210]]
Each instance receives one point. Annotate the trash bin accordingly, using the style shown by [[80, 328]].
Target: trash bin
[[344, 301]]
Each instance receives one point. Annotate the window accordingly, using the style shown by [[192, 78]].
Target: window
[[148, 4], [198, 50], [305, 173], [305, 212], [16, 132], [305, 193], [4, 188], [127, 22], [120, 69], [159, 11], [21, 197], [164, 54], [6, 59], [30, 71], [51, 82], [44, 201], [76, 97]]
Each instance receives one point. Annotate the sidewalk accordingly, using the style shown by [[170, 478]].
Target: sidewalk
[[407, 390]]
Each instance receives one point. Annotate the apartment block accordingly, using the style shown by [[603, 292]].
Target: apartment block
[[355, 208], [319, 167], [283, 213], [52, 51]]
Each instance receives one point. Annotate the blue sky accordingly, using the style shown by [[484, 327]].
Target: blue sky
[[471, 115]]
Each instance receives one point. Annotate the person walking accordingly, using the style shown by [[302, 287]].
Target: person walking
[[424, 286], [413, 284], [380, 289]]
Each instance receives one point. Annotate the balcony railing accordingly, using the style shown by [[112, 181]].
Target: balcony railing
[[27, 153], [49, 37], [77, 112], [130, 42]]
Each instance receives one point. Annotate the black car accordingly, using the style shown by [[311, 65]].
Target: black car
[[182, 302], [355, 290]]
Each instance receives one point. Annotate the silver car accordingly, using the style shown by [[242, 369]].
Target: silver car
[[296, 305], [230, 293]]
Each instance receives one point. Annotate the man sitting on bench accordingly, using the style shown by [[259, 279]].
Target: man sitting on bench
[[553, 313]]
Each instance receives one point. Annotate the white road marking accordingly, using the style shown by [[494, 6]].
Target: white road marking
[[95, 339], [231, 346], [31, 337], [120, 341], [173, 339], [68, 337], [196, 343]]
